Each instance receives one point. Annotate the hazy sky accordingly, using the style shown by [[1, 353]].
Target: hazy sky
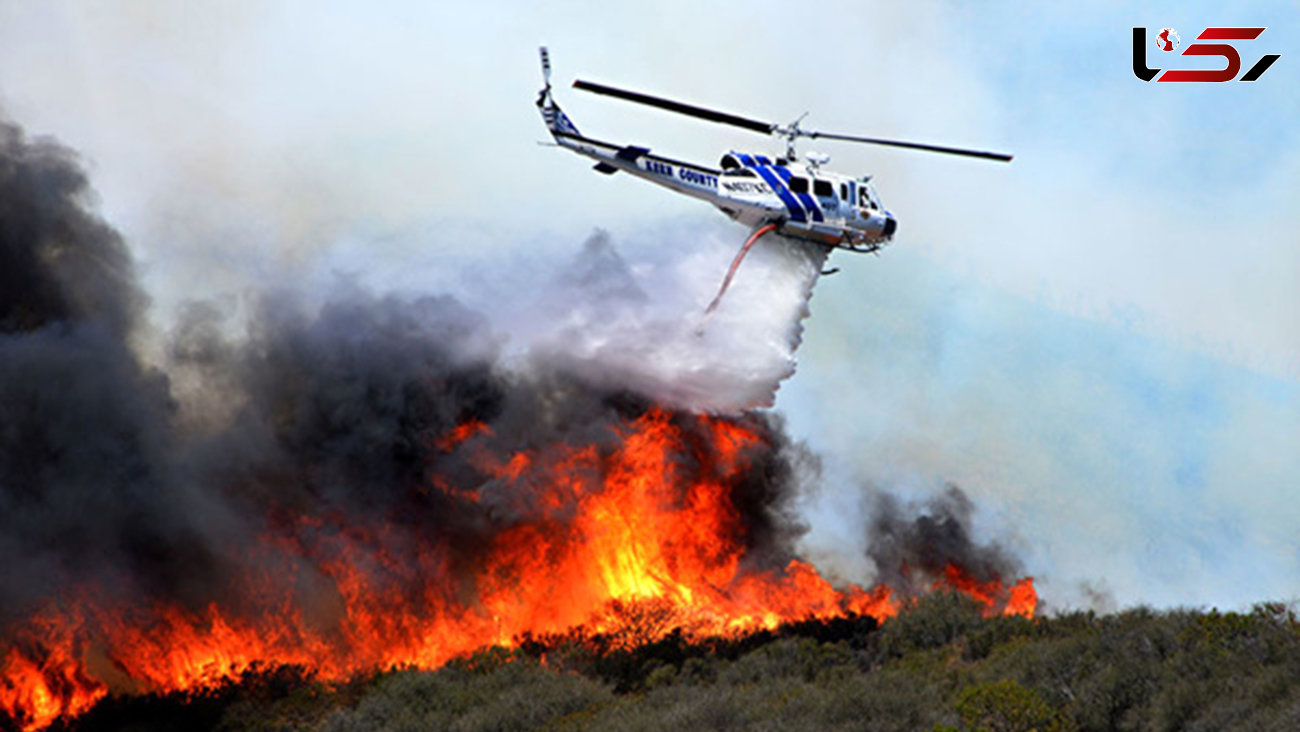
[[1099, 342]]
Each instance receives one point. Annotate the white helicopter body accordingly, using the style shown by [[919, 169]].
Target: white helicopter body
[[781, 194]]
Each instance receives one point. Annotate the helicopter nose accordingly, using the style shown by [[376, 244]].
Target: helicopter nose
[[891, 224]]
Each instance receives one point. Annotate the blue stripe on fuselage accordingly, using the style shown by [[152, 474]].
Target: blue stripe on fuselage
[[791, 204], [804, 198]]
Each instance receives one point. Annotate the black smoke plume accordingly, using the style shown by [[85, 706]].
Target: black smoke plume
[[912, 546], [86, 482]]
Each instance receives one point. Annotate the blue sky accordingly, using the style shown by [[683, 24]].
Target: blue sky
[[1100, 342]]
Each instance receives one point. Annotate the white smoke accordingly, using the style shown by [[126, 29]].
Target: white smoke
[[638, 323]]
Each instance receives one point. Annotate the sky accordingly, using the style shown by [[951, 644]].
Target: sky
[[1099, 343]]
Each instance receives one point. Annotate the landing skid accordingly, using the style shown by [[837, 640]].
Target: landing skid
[[860, 248]]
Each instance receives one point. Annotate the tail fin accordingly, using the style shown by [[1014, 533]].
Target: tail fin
[[556, 120]]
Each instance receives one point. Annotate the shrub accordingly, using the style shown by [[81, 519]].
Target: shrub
[[1006, 706], [515, 696], [935, 620]]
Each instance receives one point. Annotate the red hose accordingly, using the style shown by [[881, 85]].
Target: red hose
[[735, 263]]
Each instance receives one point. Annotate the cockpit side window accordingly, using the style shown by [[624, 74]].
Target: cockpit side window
[[740, 173], [864, 198], [798, 185]]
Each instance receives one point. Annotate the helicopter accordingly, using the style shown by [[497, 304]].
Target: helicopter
[[796, 199]]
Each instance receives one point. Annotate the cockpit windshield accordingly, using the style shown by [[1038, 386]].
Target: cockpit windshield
[[867, 197]]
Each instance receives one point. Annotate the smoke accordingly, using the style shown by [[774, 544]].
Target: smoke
[[57, 262], [84, 428], [154, 481], [911, 545], [644, 328], [383, 431]]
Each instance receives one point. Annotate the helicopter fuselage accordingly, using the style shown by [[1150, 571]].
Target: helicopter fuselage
[[803, 201]]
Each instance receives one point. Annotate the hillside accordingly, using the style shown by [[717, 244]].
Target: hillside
[[938, 666]]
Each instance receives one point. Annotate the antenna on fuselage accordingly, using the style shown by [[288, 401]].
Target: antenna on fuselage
[[816, 160]]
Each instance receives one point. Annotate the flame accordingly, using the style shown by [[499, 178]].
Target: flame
[[42, 677], [639, 536], [1019, 599], [1022, 599]]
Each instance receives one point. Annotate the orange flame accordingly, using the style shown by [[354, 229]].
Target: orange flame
[[1020, 599], [651, 519], [42, 678]]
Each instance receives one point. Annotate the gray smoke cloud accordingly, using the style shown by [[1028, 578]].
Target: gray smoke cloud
[[49, 242], [154, 481], [84, 437]]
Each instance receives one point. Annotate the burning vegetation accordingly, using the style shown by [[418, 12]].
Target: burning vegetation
[[362, 486]]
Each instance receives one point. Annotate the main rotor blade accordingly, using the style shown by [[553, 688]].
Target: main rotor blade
[[711, 115], [727, 118], [1002, 157]]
